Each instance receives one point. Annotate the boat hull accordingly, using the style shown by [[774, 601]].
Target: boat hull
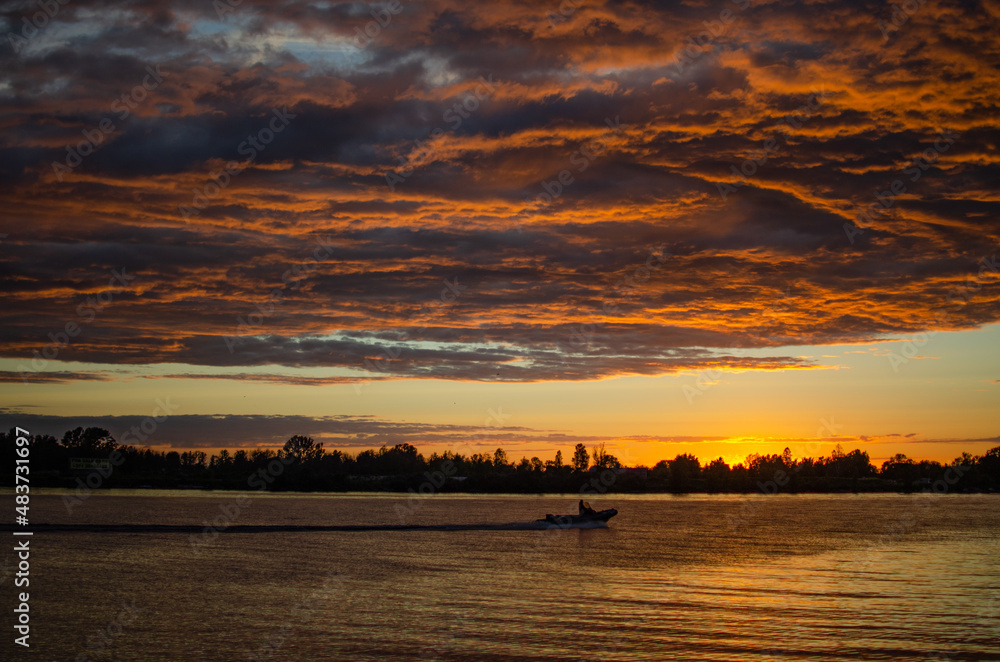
[[600, 517]]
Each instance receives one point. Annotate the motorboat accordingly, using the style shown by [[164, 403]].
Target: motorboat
[[595, 517]]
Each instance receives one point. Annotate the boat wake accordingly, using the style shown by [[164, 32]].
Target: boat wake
[[574, 525], [299, 528]]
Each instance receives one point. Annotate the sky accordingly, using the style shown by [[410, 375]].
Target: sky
[[712, 227]]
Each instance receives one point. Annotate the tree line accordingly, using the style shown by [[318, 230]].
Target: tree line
[[307, 466]]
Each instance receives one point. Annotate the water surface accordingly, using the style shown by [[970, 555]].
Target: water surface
[[336, 577]]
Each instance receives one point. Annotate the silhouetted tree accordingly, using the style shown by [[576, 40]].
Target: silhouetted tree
[[222, 462], [858, 465], [402, 467], [901, 469], [92, 442], [400, 459], [304, 449], [660, 474], [192, 460], [603, 459], [241, 462], [717, 475], [500, 458], [684, 469], [989, 468]]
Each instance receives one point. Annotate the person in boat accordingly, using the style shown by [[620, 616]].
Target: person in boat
[[585, 508]]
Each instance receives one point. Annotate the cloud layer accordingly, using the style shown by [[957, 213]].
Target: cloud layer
[[500, 192]]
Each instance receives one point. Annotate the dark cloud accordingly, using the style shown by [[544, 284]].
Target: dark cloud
[[478, 195], [250, 431], [53, 377]]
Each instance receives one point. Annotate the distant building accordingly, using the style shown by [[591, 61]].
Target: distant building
[[89, 464]]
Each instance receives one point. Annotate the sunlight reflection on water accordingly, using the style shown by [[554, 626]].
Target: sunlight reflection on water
[[807, 577]]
